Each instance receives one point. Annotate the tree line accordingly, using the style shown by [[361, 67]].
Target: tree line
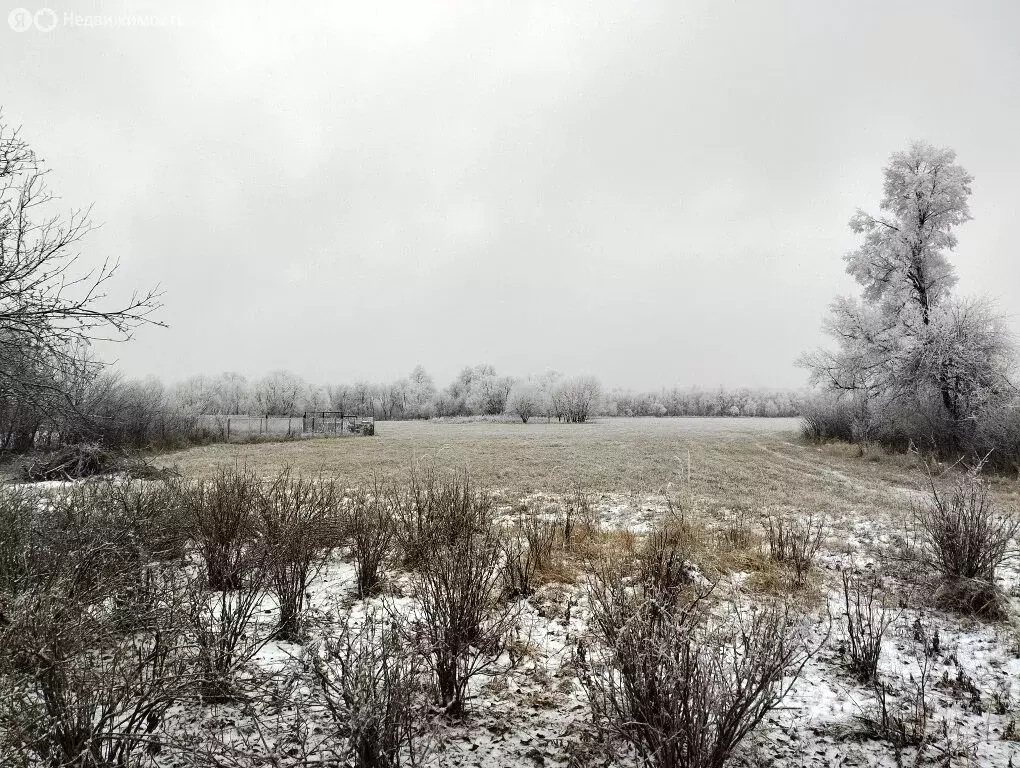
[[99, 404]]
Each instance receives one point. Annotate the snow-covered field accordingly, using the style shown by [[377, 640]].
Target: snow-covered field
[[536, 714], [539, 715]]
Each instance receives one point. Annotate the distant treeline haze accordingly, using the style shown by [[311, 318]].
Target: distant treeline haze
[[477, 390]]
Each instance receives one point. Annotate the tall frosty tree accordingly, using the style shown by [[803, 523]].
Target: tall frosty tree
[[908, 338]]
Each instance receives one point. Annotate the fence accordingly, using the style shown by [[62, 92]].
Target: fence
[[337, 423], [242, 426]]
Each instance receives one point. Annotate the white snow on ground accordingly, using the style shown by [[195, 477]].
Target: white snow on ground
[[538, 715]]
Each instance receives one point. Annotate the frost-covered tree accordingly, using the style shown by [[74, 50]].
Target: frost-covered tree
[[196, 395], [421, 394], [280, 393], [525, 400], [341, 397], [547, 385], [908, 338], [232, 393], [578, 398]]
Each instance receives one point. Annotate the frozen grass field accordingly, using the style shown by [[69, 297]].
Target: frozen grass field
[[947, 686], [622, 454], [733, 462], [741, 471]]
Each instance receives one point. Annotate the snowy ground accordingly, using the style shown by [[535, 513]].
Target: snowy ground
[[538, 714]]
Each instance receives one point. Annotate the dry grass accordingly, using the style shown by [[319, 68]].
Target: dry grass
[[734, 462], [607, 455], [738, 468]]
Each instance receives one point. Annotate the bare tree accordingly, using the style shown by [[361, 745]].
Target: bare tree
[[280, 393], [578, 398], [50, 303], [525, 400]]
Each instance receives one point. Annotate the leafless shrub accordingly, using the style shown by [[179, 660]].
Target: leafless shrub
[[580, 518], [665, 560], [157, 516], [369, 530], [827, 417], [19, 507], [679, 684], [519, 568], [75, 689], [223, 522], [434, 509], [542, 535], [618, 591], [371, 683], [283, 733], [464, 626], [291, 512], [794, 542], [904, 721], [226, 633], [87, 536], [965, 538], [866, 617]]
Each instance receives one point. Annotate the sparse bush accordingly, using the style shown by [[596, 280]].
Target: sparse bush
[[535, 544], [433, 509], [542, 535], [965, 536], [830, 417], [580, 518], [95, 533], [19, 507], [369, 529], [665, 560], [679, 684], [794, 542], [371, 684], [965, 539], [866, 617], [226, 632], [75, 688], [519, 565], [904, 722], [292, 511], [464, 624], [223, 522]]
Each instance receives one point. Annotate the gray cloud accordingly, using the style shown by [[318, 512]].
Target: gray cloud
[[654, 192]]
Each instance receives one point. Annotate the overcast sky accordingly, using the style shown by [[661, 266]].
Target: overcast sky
[[654, 192]]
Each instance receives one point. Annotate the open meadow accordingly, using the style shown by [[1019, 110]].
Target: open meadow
[[745, 463], [832, 532], [490, 593], [619, 454]]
